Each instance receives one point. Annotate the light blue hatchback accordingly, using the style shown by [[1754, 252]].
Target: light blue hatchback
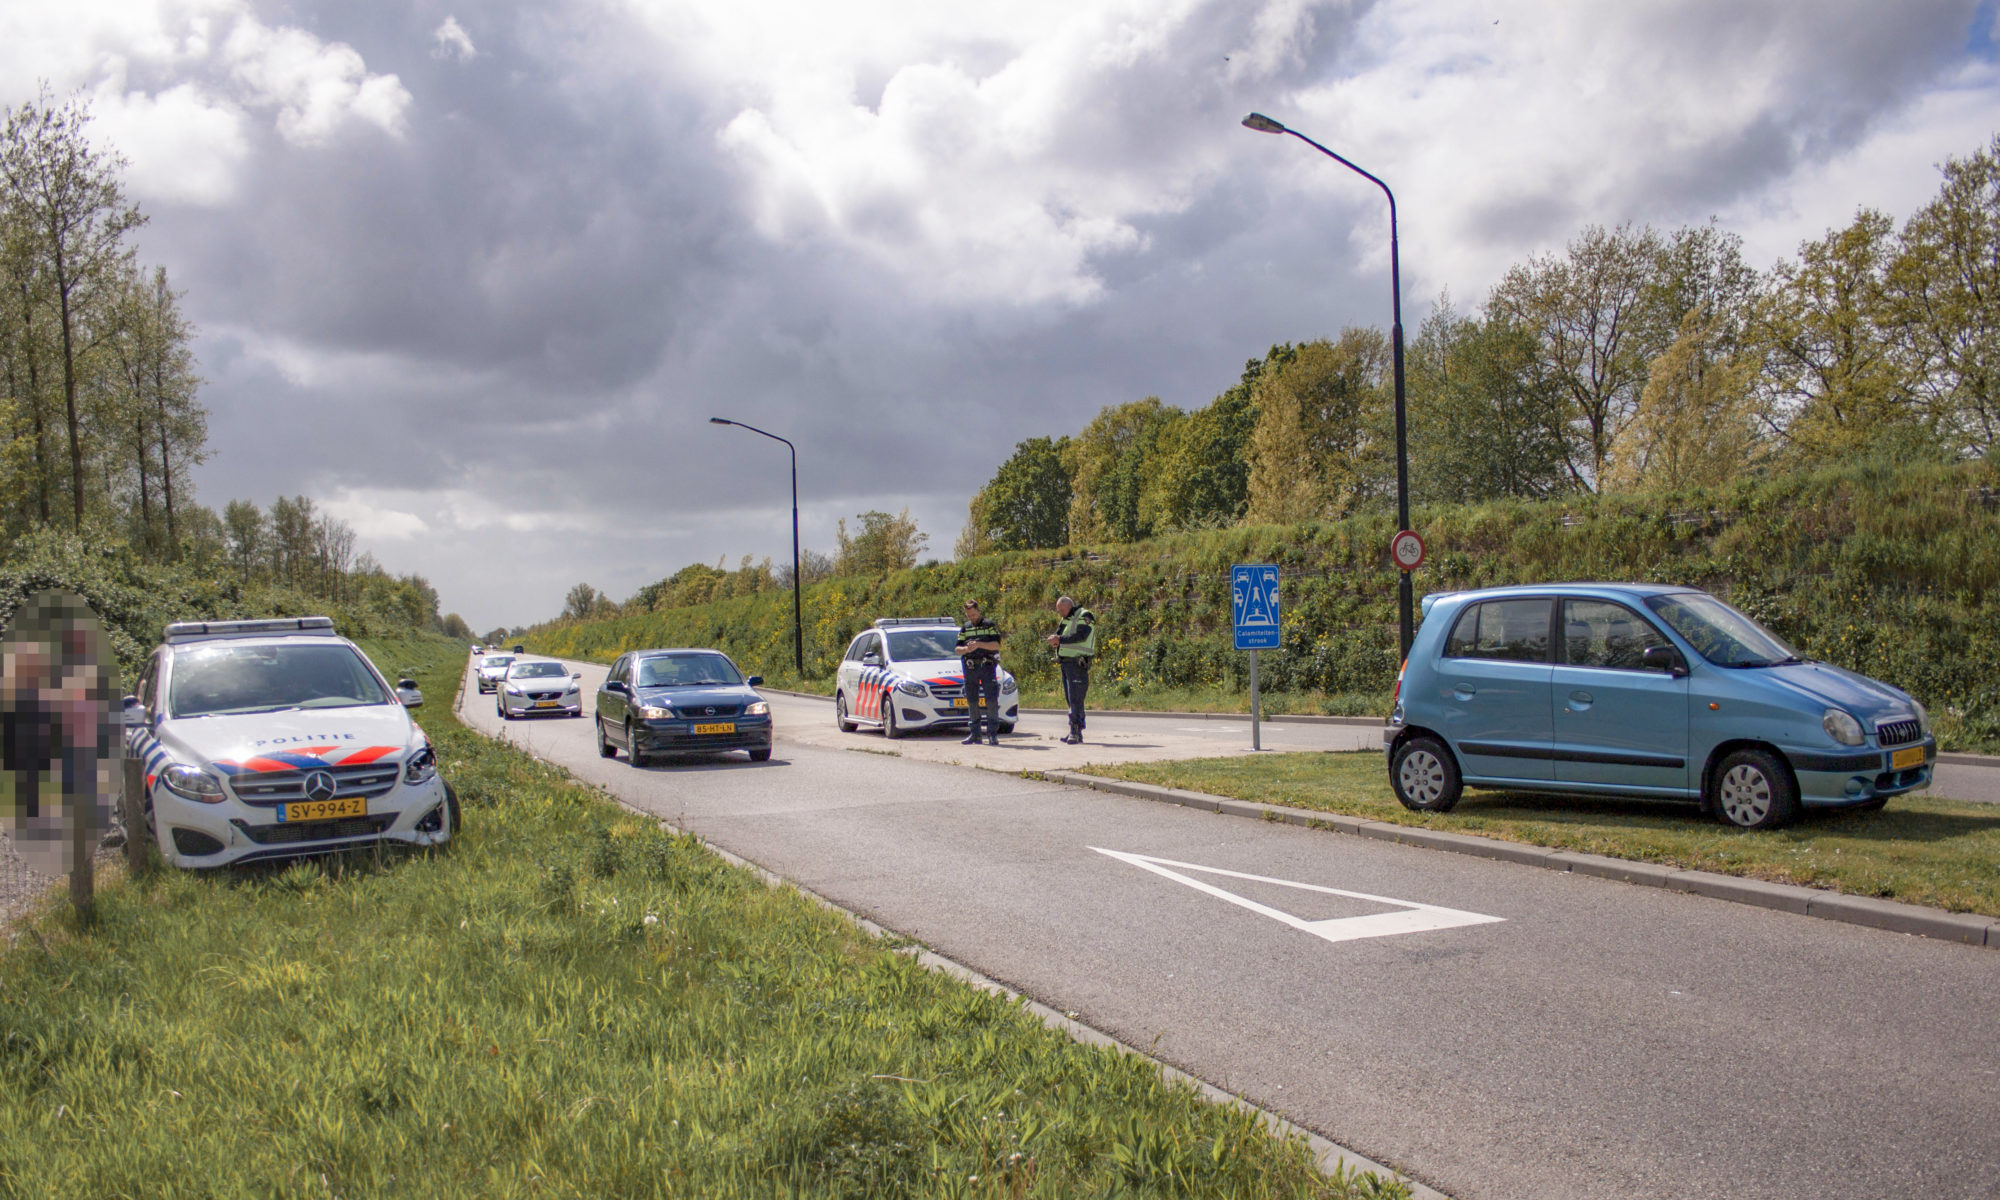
[[1641, 690]]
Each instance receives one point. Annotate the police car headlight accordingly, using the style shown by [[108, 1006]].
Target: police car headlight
[[1007, 686], [911, 687], [422, 766], [1842, 728], [759, 709], [656, 712], [192, 783]]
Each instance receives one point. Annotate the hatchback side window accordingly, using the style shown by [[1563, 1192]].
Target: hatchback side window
[[1512, 630], [1598, 633]]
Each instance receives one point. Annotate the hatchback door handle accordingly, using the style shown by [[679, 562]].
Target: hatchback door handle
[[1461, 692]]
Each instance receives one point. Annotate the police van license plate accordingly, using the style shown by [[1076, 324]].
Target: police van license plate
[[723, 727], [324, 810], [1903, 760]]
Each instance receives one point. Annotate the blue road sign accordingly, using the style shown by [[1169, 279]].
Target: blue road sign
[[1254, 605]]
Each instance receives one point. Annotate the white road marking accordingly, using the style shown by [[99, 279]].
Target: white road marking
[[1414, 917]]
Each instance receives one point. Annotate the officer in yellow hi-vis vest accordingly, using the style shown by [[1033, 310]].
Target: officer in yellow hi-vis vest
[[1075, 642]]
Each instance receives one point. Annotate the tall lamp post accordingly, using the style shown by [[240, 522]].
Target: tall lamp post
[[1405, 603], [798, 580]]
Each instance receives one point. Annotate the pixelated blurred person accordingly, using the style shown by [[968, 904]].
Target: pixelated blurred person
[[60, 730]]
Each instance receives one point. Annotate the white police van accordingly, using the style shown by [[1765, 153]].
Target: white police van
[[902, 675], [276, 738]]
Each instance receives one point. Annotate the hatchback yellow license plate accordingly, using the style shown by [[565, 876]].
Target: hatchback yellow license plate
[[724, 727], [1902, 760], [324, 810]]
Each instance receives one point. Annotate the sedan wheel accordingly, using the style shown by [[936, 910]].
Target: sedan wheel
[[632, 747], [1425, 776], [1754, 791], [604, 747]]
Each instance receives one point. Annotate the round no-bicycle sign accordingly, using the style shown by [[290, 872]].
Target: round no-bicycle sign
[[1407, 549]]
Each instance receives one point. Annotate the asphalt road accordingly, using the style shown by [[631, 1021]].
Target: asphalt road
[[1597, 1039]]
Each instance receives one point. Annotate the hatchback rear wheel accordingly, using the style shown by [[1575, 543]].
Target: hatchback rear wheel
[[1425, 776]]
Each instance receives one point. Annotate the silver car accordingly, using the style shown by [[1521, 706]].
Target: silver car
[[538, 687], [491, 669]]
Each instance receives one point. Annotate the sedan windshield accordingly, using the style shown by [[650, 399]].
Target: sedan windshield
[[916, 645], [687, 670], [1719, 633], [215, 681], [537, 670], [496, 660]]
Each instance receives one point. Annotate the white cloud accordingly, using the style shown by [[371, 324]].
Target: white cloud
[[182, 144], [450, 40], [373, 516], [315, 85]]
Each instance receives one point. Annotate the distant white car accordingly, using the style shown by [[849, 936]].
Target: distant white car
[[491, 669], [538, 687], [270, 739], [902, 676]]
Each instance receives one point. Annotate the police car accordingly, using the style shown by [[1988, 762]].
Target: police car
[[901, 675], [271, 739]]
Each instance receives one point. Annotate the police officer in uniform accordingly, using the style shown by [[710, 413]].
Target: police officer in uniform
[[979, 653], [1075, 643]]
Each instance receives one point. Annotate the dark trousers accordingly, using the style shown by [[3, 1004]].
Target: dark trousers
[[982, 695], [1076, 682]]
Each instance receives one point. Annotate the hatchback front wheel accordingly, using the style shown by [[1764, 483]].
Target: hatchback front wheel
[[1753, 790]]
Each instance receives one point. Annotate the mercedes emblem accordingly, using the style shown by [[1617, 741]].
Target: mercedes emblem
[[319, 785]]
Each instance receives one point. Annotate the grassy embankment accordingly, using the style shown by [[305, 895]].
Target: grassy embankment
[[1918, 849], [1894, 572], [567, 1002]]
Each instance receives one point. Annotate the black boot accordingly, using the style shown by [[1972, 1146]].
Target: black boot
[[971, 739]]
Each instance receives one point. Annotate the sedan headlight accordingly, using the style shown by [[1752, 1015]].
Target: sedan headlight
[[192, 783], [910, 687], [1923, 718], [759, 709], [422, 766], [514, 689], [656, 712], [1007, 686], [1842, 728]]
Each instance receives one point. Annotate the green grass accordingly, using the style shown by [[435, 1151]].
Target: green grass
[[566, 1002], [1942, 853]]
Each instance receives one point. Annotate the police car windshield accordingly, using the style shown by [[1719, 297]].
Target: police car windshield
[[687, 670], [916, 645], [224, 680], [536, 670]]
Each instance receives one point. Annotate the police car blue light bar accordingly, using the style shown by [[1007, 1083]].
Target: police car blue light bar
[[891, 622], [195, 631]]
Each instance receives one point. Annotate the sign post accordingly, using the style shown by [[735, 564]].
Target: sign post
[[1253, 595]]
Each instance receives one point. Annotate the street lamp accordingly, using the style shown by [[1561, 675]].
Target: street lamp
[[1405, 603], [798, 580]]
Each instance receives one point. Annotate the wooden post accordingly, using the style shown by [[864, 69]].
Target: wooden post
[[132, 814]]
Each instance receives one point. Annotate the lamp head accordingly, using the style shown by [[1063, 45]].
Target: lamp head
[[1263, 124], [720, 421]]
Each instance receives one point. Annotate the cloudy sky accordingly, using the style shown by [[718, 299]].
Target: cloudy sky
[[473, 277]]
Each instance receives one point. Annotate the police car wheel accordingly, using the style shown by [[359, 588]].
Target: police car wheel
[[1006, 727], [840, 713], [889, 727]]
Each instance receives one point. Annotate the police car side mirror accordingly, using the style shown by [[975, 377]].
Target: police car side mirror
[[871, 659], [756, 681], [134, 712]]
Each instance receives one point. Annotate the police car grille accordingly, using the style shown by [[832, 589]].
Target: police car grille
[[315, 831], [277, 787], [1897, 733], [947, 693]]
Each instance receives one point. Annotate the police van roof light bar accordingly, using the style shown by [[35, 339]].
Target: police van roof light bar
[[197, 631]]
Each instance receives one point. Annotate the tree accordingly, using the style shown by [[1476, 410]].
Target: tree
[[1108, 465], [883, 544], [1322, 445], [1831, 381], [1487, 417], [1941, 301], [1696, 425], [1586, 311], [455, 627], [1025, 506], [1202, 475], [580, 603], [67, 197], [248, 535]]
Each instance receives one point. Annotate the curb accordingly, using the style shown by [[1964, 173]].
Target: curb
[[1892, 915], [1299, 718]]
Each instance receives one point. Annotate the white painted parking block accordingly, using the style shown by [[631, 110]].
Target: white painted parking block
[[1414, 917]]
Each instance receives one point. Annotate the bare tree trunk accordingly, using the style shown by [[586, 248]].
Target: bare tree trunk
[[145, 487], [166, 454], [35, 405], [63, 284]]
